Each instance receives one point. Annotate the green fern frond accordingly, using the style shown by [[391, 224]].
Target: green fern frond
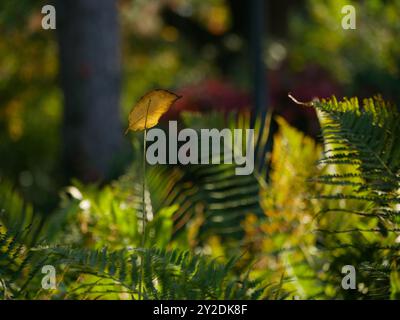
[[167, 274], [362, 157], [18, 265], [368, 136]]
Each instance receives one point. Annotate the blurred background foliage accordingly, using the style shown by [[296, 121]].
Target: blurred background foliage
[[310, 56], [201, 50]]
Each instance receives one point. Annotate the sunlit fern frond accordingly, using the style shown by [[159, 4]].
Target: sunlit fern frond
[[167, 275], [362, 154], [366, 135], [18, 264]]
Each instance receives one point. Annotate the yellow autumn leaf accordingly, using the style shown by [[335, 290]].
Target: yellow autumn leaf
[[149, 109]]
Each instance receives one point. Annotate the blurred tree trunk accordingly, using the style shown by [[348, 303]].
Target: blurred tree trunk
[[89, 49], [257, 39]]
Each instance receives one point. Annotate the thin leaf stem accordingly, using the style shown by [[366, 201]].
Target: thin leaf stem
[[143, 238]]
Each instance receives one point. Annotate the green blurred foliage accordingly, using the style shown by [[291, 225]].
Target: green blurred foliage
[[154, 55], [286, 235], [30, 101], [366, 60]]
